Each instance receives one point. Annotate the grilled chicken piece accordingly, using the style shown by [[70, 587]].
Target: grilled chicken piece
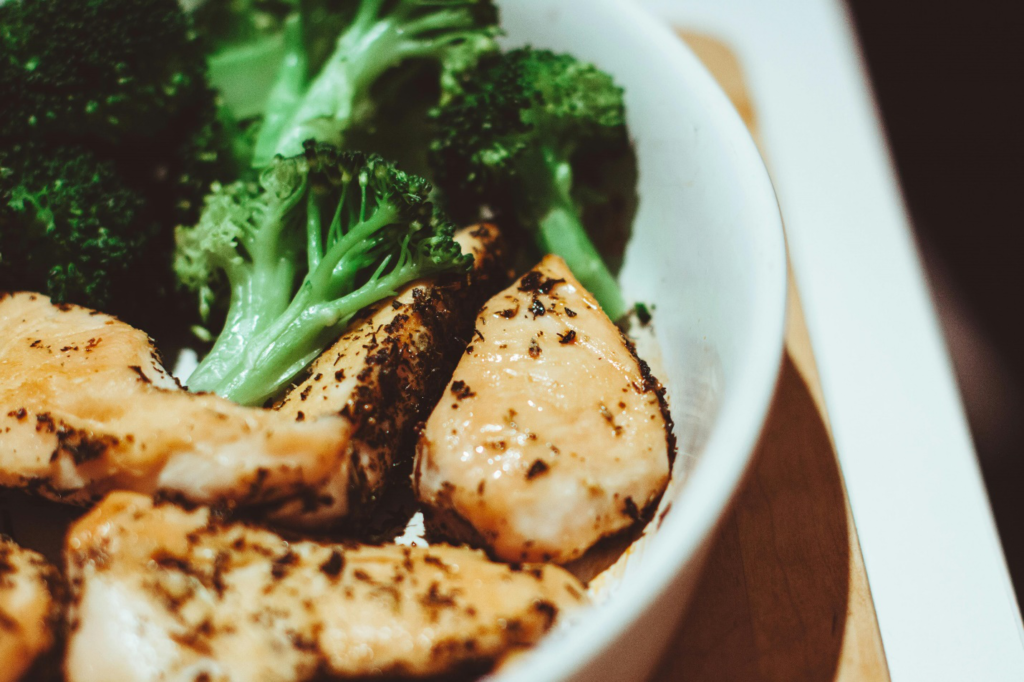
[[385, 374], [28, 612], [86, 407], [160, 593], [552, 433]]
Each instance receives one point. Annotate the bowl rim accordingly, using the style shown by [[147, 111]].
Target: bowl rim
[[716, 477]]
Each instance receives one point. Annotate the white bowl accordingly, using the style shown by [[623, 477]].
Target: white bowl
[[708, 251]]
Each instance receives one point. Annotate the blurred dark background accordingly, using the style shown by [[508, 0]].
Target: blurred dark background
[[949, 81]]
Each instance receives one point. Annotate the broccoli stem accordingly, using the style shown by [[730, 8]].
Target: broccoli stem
[[260, 292], [372, 45], [285, 96], [253, 358], [254, 301], [562, 233], [283, 350], [560, 229]]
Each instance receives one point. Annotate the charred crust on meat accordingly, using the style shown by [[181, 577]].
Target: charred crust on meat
[[609, 418], [192, 640], [570, 312], [536, 469], [142, 375], [443, 521], [568, 337], [534, 350], [432, 560], [664, 513], [537, 308], [283, 565], [629, 508], [18, 414], [652, 385], [535, 281], [547, 610], [80, 445], [334, 565], [509, 313], [396, 324], [461, 390], [258, 483], [435, 600]]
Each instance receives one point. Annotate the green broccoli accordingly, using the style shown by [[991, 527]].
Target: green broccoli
[[511, 130], [320, 237], [323, 101], [72, 228], [102, 69], [125, 78], [245, 41], [111, 138]]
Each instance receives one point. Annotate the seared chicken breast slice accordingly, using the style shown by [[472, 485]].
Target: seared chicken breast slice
[[28, 610], [552, 433], [161, 593], [385, 374], [87, 407]]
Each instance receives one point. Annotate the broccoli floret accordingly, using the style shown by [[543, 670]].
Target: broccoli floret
[[124, 144], [70, 227], [321, 236], [125, 78], [324, 103], [102, 69], [510, 129]]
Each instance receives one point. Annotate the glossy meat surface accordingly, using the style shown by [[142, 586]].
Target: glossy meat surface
[[552, 434], [28, 613], [87, 407], [160, 593], [386, 372]]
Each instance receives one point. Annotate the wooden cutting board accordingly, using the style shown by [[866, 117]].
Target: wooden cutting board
[[784, 595]]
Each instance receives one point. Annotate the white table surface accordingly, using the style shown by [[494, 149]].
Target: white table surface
[[943, 597]]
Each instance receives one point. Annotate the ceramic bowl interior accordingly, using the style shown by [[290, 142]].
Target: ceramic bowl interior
[[707, 253], [707, 250]]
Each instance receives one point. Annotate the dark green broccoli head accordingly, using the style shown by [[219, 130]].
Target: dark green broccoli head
[[368, 182], [508, 115], [529, 136], [98, 68], [126, 78], [71, 228], [181, 165]]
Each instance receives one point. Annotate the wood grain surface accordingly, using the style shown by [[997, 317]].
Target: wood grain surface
[[784, 594]]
